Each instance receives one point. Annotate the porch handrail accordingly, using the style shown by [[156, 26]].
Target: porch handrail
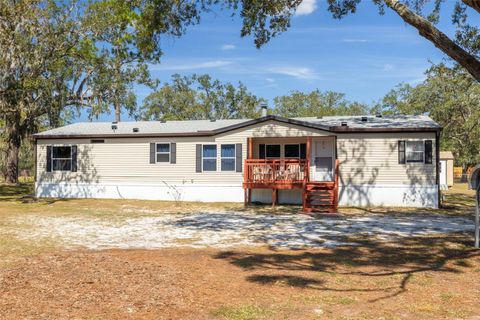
[[276, 170]]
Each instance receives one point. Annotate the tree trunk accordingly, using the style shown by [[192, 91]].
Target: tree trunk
[[464, 177], [118, 112], [475, 4], [14, 140], [438, 38]]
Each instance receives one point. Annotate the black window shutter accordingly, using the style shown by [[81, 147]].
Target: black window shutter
[[152, 152], [238, 155], [198, 157], [49, 158], [261, 151], [303, 151], [401, 152], [74, 158], [173, 152], [428, 152]]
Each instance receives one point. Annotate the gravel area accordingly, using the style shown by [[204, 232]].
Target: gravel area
[[234, 229]]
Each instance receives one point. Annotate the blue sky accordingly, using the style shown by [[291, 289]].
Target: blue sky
[[363, 55]]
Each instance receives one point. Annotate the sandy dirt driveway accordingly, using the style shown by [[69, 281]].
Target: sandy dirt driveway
[[232, 229]]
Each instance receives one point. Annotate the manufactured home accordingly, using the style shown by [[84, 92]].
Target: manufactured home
[[320, 162]]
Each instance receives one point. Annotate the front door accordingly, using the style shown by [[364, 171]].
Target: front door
[[323, 159]]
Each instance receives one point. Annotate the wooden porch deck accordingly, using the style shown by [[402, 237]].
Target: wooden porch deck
[[275, 174]]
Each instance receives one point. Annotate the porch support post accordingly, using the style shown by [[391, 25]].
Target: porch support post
[[274, 197], [248, 191], [249, 148], [309, 156]]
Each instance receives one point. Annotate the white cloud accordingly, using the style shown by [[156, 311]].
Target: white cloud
[[271, 80], [191, 66], [388, 67], [355, 40], [226, 47], [306, 7], [296, 72]]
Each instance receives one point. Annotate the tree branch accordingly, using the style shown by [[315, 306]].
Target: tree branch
[[475, 4], [438, 38]]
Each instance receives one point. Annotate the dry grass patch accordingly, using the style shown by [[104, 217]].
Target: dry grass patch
[[243, 312], [417, 278]]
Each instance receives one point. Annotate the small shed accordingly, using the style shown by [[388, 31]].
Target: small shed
[[446, 169]]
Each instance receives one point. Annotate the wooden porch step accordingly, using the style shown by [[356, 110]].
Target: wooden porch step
[[320, 197]]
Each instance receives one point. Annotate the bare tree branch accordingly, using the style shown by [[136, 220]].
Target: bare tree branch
[[438, 38], [475, 4]]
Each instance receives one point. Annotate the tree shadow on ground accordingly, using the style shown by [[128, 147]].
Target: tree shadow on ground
[[24, 193], [372, 259]]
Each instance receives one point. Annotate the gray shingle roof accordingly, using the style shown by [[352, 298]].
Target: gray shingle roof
[[397, 122], [144, 127], [198, 126]]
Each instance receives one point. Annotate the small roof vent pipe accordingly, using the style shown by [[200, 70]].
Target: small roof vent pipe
[[264, 109], [379, 115], [344, 124]]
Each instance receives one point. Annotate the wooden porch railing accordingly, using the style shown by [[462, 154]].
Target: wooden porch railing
[[271, 171]]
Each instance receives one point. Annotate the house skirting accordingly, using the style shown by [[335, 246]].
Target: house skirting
[[422, 196], [350, 195], [187, 192]]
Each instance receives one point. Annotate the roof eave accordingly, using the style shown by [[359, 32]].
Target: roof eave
[[342, 129]]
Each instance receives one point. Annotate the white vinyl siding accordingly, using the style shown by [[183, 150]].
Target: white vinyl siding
[[367, 158], [372, 158]]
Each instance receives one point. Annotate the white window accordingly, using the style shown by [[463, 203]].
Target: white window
[[163, 152], [292, 151], [61, 158], [415, 151], [209, 157], [272, 150], [227, 153]]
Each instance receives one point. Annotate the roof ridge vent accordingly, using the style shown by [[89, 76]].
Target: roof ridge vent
[[364, 118], [379, 115], [344, 124], [135, 130]]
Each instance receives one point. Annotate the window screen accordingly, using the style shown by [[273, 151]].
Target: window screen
[[209, 157], [228, 157], [414, 151], [163, 152], [61, 158]]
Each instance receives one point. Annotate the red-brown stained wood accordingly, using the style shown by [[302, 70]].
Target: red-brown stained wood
[[278, 174]]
